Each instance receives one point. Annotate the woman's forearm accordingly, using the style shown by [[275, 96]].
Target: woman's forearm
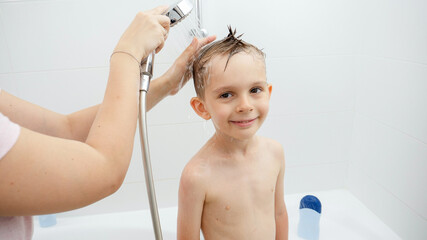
[[73, 126], [112, 132], [81, 121], [34, 117]]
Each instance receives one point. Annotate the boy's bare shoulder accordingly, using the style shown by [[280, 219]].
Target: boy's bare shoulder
[[196, 171], [271, 145]]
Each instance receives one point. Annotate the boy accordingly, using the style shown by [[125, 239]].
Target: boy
[[233, 187]]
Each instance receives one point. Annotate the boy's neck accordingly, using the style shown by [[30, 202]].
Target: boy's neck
[[230, 145]]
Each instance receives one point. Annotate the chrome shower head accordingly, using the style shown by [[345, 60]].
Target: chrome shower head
[[179, 11], [176, 14]]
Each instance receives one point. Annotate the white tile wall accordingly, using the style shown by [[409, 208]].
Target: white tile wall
[[309, 178], [311, 84], [394, 92], [5, 65], [388, 157], [311, 139], [396, 161], [172, 146], [406, 222], [64, 91], [288, 28], [394, 29]]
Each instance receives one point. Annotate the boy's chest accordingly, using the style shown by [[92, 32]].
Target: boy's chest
[[234, 191]]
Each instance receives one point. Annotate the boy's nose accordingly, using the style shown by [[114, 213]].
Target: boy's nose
[[244, 105]]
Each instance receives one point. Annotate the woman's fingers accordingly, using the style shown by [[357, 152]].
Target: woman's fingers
[[195, 45], [164, 23], [206, 40], [158, 10], [147, 32]]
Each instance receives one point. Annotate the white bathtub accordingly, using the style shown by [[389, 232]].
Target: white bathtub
[[343, 217]]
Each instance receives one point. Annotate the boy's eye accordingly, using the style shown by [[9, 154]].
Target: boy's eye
[[225, 95], [256, 90]]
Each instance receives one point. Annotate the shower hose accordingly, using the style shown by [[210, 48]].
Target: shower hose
[[147, 165]]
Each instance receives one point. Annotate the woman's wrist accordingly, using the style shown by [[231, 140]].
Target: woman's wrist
[[139, 54], [121, 63], [127, 53]]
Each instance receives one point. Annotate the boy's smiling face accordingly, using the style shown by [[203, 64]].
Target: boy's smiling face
[[237, 99]]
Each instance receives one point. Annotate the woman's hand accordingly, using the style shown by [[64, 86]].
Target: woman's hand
[[179, 73], [147, 32]]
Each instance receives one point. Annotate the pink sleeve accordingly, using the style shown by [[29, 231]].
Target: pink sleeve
[[9, 132], [18, 227]]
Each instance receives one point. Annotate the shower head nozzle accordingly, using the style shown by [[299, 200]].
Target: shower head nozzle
[[179, 11]]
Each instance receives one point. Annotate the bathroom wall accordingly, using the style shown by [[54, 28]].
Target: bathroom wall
[[388, 155], [56, 55], [348, 102]]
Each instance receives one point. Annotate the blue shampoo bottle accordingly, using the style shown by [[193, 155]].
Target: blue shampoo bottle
[[309, 216], [47, 220]]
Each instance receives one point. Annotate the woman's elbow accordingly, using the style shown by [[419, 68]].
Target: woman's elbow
[[110, 176], [116, 179]]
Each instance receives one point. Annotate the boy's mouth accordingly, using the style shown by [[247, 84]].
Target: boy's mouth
[[244, 123]]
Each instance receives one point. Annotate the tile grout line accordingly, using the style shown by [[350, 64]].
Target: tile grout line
[[5, 40], [387, 190], [392, 127]]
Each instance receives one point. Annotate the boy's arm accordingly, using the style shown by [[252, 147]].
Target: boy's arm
[[190, 204], [281, 213]]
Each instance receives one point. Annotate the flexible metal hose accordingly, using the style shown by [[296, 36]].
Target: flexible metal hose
[[147, 165]]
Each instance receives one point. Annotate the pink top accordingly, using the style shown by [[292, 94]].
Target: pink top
[[17, 227]]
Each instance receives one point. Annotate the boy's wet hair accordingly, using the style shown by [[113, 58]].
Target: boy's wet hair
[[230, 46]]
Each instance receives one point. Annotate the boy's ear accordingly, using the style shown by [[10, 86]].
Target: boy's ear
[[199, 107], [270, 88]]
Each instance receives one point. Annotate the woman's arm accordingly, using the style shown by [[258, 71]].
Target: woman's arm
[[44, 174], [39, 119], [76, 125]]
